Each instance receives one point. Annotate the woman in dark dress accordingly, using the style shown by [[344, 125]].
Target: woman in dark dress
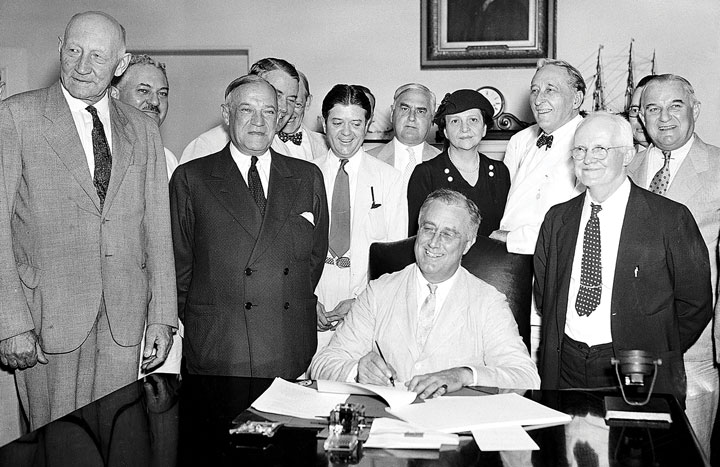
[[464, 116]]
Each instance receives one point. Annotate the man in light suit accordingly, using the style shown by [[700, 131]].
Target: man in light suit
[[669, 110], [86, 253], [374, 208], [617, 268], [412, 113], [439, 327], [295, 139], [282, 76], [250, 238]]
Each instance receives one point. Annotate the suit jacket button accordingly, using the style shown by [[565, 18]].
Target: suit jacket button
[[287, 305], [248, 272], [286, 271], [248, 305]]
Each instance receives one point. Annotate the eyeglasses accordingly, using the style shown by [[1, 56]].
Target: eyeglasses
[[598, 152], [446, 236], [634, 111]]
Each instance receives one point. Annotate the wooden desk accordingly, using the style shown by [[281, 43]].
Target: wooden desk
[[162, 422]]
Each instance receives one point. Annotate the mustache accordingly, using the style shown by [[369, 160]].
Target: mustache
[[151, 107]]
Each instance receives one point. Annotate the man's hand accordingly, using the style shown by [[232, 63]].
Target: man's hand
[[338, 314], [500, 235], [22, 351], [372, 369], [158, 340], [440, 383], [323, 324]]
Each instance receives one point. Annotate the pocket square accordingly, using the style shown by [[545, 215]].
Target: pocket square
[[308, 216]]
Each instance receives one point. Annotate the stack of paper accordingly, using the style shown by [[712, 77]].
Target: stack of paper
[[388, 433], [459, 414], [394, 396], [291, 399]]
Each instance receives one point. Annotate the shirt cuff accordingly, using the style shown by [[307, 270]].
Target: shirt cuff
[[475, 375], [352, 374]]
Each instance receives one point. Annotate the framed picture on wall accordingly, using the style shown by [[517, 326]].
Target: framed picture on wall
[[486, 33]]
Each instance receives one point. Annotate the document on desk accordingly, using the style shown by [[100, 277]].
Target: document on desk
[[459, 414], [285, 398], [504, 438], [394, 396], [388, 433]]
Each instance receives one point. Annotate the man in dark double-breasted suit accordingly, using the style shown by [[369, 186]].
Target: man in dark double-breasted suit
[[647, 285], [250, 230]]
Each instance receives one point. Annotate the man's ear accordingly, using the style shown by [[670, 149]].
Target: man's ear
[[308, 101], [469, 245], [114, 93], [122, 64]]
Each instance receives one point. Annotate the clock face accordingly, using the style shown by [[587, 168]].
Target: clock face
[[495, 97]]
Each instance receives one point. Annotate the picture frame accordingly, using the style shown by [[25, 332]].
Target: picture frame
[[486, 33]]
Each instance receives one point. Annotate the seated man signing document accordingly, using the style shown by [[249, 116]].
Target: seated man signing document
[[438, 326]]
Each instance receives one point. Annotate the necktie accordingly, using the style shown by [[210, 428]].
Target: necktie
[[255, 185], [410, 165], [427, 316], [296, 138], [340, 213], [103, 159], [545, 140], [661, 180], [588, 297]]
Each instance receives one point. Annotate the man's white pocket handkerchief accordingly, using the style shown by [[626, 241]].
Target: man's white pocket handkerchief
[[308, 216]]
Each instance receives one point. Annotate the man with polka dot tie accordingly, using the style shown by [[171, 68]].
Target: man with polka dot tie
[[617, 268], [680, 166]]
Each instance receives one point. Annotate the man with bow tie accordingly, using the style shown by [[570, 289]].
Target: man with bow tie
[[538, 158], [539, 162], [295, 139]]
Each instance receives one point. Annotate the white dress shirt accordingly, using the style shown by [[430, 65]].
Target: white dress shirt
[[656, 160], [84, 124], [244, 161], [539, 179], [595, 328]]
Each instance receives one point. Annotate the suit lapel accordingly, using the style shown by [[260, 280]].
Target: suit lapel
[[123, 141], [686, 182], [631, 249], [404, 327], [387, 153], [637, 169], [62, 136], [228, 186], [567, 238], [428, 152], [445, 326], [282, 188]]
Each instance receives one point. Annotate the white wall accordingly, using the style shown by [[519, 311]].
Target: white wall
[[377, 42]]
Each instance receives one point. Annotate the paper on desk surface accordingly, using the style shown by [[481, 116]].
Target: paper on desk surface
[[285, 398], [504, 438], [394, 396], [388, 433], [458, 414]]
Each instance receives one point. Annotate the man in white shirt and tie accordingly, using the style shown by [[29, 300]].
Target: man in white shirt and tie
[[412, 113], [680, 166], [617, 268]]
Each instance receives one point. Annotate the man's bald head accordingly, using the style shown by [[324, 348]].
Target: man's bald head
[[92, 51]]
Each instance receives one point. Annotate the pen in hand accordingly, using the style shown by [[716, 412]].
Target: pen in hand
[[392, 380]]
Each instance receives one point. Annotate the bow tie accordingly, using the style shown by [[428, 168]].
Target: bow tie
[[296, 138], [545, 140]]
